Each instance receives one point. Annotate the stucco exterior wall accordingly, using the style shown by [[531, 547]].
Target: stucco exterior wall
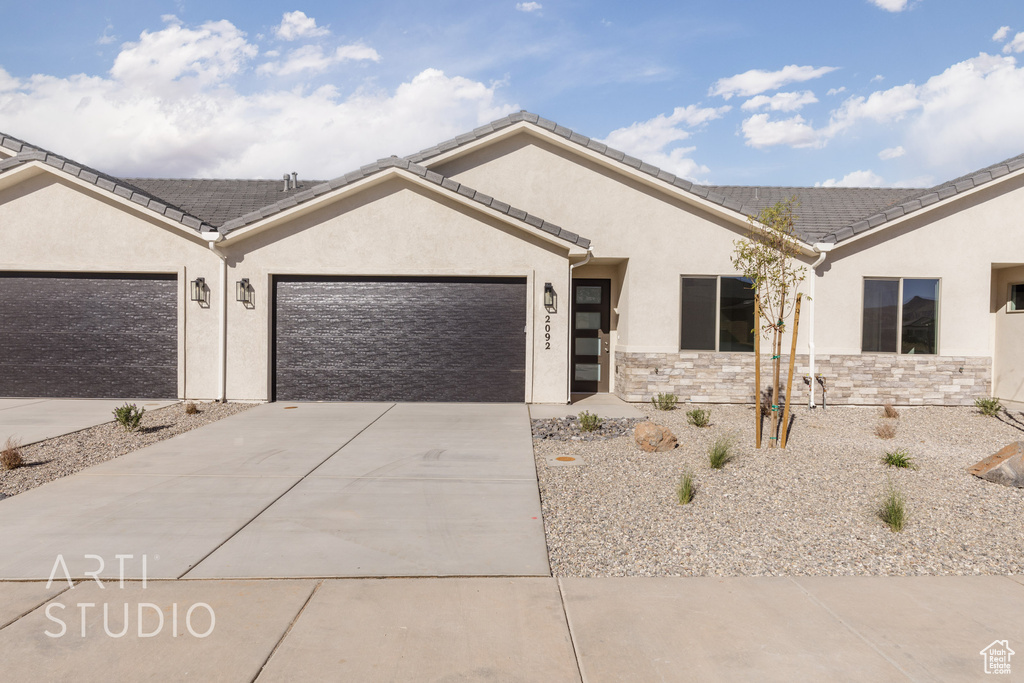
[[1008, 371], [49, 224], [658, 238], [397, 229]]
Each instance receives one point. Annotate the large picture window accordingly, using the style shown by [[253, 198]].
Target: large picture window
[[717, 314], [900, 314]]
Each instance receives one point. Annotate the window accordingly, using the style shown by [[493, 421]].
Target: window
[[1016, 302], [717, 314], [900, 314]]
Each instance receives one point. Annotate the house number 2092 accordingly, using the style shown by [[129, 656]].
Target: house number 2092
[[547, 332]]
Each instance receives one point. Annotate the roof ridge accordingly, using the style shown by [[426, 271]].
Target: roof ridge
[[26, 153]]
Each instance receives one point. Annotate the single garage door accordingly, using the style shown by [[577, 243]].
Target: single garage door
[[88, 335], [386, 339]]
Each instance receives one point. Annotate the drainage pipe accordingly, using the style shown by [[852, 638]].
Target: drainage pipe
[[222, 305], [568, 336], [822, 248]]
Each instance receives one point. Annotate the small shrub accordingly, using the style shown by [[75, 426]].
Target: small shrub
[[989, 407], [665, 401], [893, 508], [687, 487], [191, 408], [10, 457], [889, 411], [885, 430], [589, 422], [899, 458], [129, 416], [720, 452], [698, 417]]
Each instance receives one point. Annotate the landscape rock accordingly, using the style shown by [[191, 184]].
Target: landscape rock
[[568, 429], [654, 438], [1005, 467]]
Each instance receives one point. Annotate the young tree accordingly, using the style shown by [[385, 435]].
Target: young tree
[[766, 258]]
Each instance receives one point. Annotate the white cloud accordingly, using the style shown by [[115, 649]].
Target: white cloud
[[962, 118], [1000, 35], [107, 38], [313, 59], [652, 140], [892, 153], [191, 120], [211, 53], [295, 25], [756, 81], [877, 78], [855, 179], [836, 91], [760, 131], [783, 101], [890, 5], [529, 6], [1015, 45]]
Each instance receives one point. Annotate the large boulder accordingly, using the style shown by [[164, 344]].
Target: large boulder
[[1005, 467], [652, 437]]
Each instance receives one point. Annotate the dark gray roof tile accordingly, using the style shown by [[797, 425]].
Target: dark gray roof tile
[[562, 131], [449, 184], [500, 206], [434, 177], [533, 220], [579, 139], [517, 213], [467, 191]]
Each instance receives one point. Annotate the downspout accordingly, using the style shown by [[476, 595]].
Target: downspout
[[222, 338], [822, 248], [568, 335]]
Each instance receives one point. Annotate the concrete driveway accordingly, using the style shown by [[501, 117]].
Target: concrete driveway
[[35, 419], [298, 490]]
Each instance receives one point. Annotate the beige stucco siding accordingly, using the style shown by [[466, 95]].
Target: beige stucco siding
[[51, 224], [396, 228], [659, 238], [957, 243]]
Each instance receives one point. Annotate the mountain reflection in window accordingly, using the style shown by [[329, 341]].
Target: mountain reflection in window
[[920, 313]]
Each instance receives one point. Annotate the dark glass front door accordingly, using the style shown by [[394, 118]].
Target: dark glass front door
[[591, 322]]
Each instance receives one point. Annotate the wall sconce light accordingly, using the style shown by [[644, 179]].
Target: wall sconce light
[[245, 293], [550, 298], [198, 290]]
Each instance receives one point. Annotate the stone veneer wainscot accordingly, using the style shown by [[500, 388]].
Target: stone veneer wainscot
[[868, 379]]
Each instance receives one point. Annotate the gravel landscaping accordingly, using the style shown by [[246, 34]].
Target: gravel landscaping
[[64, 455], [808, 510]]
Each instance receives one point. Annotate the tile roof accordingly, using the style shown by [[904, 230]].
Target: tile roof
[[218, 201], [922, 198], [26, 153]]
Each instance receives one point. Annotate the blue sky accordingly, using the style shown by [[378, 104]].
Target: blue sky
[[849, 92]]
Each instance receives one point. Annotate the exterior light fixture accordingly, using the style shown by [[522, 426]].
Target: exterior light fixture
[[198, 290], [550, 298], [245, 293]]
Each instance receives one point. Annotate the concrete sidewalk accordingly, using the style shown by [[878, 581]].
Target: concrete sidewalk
[[602, 630], [35, 419]]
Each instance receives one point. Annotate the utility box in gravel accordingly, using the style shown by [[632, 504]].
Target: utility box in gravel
[[651, 437], [1005, 467]]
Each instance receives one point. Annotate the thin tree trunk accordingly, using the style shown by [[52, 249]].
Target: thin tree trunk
[[757, 371], [777, 370], [789, 381]]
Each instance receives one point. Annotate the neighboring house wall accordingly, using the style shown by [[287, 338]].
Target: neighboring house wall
[[1008, 381], [51, 224], [396, 229]]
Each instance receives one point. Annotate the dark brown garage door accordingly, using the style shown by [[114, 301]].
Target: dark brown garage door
[[88, 336], [378, 339]]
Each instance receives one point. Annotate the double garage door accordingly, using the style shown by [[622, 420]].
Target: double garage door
[[88, 336], [409, 339]]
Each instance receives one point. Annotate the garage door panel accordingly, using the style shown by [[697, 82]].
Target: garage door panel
[[434, 340], [88, 335]]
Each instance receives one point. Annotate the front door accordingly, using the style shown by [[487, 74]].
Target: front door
[[591, 322]]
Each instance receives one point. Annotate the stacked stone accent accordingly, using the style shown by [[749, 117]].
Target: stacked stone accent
[[869, 379]]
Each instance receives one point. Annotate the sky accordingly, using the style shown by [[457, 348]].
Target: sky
[[859, 93]]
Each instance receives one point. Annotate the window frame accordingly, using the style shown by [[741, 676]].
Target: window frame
[[1009, 298], [899, 314], [718, 312]]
